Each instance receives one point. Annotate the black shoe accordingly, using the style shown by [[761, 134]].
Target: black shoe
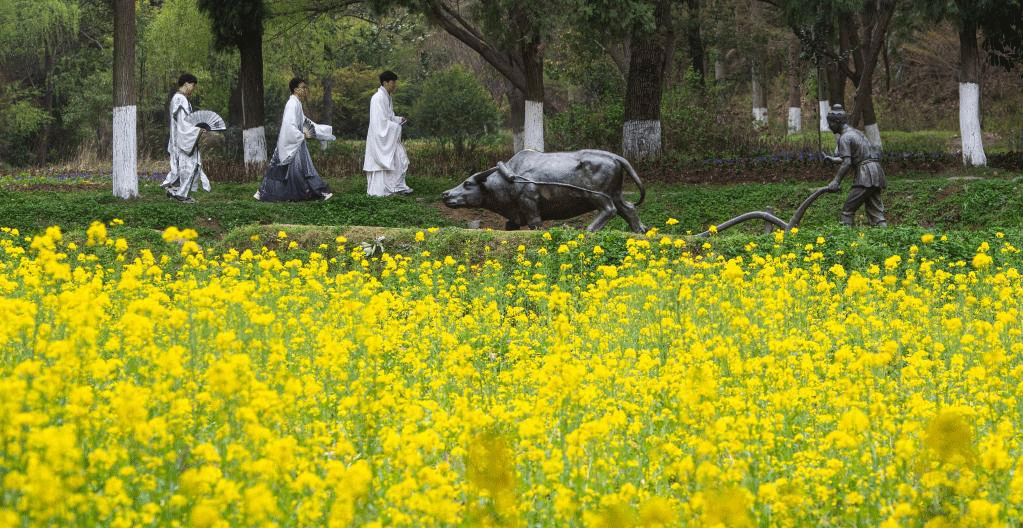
[[186, 199]]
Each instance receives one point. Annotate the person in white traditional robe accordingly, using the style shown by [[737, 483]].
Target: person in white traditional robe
[[386, 160], [291, 176], [186, 174]]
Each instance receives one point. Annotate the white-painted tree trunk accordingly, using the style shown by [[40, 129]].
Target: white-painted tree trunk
[[795, 120], [969, 125], [518, 140], [759, 117], [873, 133], [254, 145], [641, 139], [532, 129], [125, 155], [824, 108]]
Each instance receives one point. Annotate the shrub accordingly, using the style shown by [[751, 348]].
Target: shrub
[[452, 106]]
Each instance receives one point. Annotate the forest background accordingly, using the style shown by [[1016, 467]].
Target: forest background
[[729, 79]]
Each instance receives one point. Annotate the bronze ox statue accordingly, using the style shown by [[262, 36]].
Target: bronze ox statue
[[536, 186]]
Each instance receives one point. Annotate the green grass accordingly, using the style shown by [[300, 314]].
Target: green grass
[[962, 199]]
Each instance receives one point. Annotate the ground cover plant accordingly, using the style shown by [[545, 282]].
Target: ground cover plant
[[551, 379], [373, 362]]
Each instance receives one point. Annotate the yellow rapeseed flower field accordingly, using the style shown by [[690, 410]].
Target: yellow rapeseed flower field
[[354, 387]]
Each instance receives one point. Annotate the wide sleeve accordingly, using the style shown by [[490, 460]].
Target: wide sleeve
[[290, 136], [383, 135], [320, 132], [185, 134]]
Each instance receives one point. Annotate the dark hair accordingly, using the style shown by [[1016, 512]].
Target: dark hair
[[295, 81], [388, 75], [187, 78]]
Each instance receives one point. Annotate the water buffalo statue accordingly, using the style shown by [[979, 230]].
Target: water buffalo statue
[[536, 186]]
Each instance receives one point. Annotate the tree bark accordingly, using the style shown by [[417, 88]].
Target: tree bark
[[759, 93], [125, 144], [876, 18], [250, 49], [823, 105], [520, 63], [517, 111], [328, 104], [696, 48], [969, 96], [795, 122], [650, 55]]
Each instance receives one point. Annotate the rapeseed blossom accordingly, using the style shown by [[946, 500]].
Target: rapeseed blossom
[[658, 385]]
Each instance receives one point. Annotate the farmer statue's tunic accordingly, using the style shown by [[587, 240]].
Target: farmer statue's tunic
[[869, 179], [186, 172]]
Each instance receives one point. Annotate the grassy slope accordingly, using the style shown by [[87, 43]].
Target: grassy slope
[[947, 202], [966, 211]]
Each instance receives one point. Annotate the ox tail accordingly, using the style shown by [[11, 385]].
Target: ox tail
[[624, 163]]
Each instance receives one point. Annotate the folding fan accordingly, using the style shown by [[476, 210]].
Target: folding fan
[[207, 119]]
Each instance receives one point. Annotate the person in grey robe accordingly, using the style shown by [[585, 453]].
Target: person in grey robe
[[859, 155], [186, 174], [291, 176]]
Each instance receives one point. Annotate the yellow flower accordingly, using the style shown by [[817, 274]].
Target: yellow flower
[[927, 238], [671, 221], [729, 507], [657, 511], [982, 260], [950, 436]]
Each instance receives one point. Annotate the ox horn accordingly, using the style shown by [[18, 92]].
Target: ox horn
[[505, 171]]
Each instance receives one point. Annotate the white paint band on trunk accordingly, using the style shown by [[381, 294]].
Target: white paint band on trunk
[[759, 116], [795, 120], [125, 152], [641, 139], [532, 130], [518, 140], [824, 107], [969, 125], [873, 133], [254, 145]]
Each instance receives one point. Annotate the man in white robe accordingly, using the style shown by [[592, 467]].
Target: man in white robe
[[186, 174], [386, 160], [291, 176]]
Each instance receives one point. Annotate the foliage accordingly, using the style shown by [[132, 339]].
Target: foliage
[[307, 382], [452, 106]]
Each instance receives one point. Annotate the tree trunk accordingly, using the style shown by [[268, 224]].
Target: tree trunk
[[650, 55], [696, 49], [795, 121], [125, 144], [328, 105], [875, 27], [759, 94], [517, 110], [969, 97], [823, 105], [533, 125], [250, 48], [43, 142]]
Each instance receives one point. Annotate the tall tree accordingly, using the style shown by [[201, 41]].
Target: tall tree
[[972, 137], [512, 36], [649, 30], [125, 143], [1000, 22], [862, 32], [650, 54], [239, 24]]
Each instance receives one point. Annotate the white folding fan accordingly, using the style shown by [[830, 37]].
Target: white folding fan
[[207, 119]]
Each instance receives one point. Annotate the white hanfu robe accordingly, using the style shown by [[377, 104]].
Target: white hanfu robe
[[186, 172], [386, 160], [291, 176]]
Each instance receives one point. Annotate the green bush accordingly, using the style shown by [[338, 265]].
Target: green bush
[[452, 106]]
